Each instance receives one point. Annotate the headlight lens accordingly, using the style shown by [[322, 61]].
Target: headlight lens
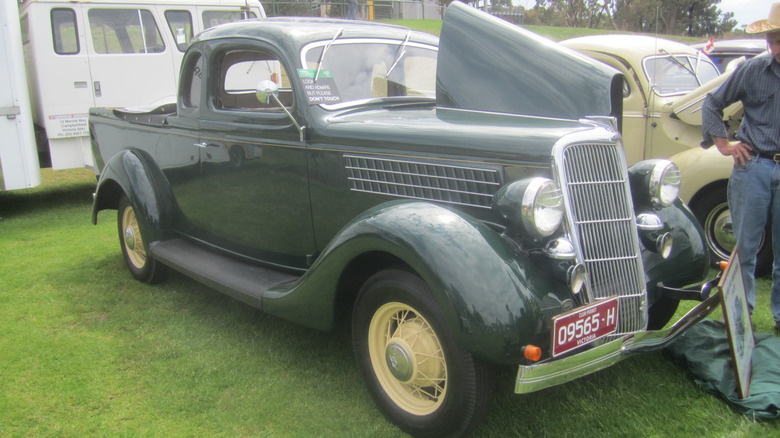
[[664, 183], [542, 206]]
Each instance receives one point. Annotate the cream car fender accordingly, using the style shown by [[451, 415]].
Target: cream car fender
[[699, 168]]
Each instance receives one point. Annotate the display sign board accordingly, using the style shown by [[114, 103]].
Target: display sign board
[[738, 326]]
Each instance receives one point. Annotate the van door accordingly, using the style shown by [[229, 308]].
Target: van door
[[130, 59]]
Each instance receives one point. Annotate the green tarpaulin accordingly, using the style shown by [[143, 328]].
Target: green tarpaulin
[[704, 350]]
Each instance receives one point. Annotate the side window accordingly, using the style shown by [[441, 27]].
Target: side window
[[191, 85], [180, 24], [64, 32], [241, 71], [124, 31], [213, 18]]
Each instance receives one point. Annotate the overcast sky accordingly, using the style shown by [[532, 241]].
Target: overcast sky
[[745, 11]]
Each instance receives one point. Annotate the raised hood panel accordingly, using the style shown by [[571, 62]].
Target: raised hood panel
[[487, 64], [688, 108]]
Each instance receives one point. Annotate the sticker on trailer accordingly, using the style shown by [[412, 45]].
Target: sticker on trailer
[[67, 125]]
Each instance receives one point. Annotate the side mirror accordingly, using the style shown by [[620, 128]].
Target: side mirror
[[265, 90]]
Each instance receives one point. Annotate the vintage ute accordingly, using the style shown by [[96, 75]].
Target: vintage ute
[[465, 202], [664, 89]]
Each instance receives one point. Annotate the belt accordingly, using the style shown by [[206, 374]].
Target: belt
[[773, 157]]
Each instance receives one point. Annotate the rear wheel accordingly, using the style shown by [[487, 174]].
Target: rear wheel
[[134, 250], [712, 211], [417, 374]]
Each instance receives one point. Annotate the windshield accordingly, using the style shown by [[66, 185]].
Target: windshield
[[679, 74], [355, 70]]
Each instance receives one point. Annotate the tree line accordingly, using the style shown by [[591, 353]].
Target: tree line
[[672, 17]]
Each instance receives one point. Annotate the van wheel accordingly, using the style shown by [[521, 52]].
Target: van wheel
[[415, 371], [134, 250], [712, 211]]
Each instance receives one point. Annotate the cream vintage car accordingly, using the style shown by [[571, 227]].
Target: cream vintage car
[[665, 85]]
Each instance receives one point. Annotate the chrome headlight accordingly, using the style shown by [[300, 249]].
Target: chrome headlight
[[536, 203], [664, 183]]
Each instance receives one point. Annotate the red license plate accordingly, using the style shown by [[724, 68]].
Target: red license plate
[[584, 325]]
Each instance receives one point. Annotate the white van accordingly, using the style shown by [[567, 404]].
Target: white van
[[107, 53]]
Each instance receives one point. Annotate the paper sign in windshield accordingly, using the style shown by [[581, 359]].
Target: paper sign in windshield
[[322, 90]]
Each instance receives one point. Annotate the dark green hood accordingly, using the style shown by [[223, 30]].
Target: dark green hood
[[487, 64]]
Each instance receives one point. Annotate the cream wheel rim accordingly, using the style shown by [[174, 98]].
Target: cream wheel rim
[[131, 237], [407, 358]]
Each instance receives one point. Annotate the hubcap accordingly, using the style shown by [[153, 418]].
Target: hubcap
[[129, 238], [399, 361]]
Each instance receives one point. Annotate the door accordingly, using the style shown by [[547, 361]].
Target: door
[[253, 164]]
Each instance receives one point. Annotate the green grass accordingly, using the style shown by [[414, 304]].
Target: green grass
[[87, 351]]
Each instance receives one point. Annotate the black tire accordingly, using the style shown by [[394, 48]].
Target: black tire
[[712, 211], [134, 247], [446, 394]]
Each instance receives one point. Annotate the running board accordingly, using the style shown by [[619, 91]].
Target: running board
[[243, 281]]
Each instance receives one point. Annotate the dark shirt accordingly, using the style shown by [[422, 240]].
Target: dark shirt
[[756, 82]]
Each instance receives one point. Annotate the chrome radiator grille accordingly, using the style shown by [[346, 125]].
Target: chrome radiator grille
[[594, 180], [417, 180]]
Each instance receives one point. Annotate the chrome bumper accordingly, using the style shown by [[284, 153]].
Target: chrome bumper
[[535, 377]]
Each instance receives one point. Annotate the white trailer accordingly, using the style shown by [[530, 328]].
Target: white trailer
[[104, 53], [18, 155]]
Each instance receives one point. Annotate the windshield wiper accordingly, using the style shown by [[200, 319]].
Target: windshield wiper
[[399, 54], [680, 63], [325, 49]]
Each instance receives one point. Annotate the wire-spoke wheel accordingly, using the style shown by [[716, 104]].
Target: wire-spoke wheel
[[408, 358], [418, 375], [133, 246]]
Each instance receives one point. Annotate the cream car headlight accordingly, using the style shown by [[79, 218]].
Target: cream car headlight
[[536, 203], [664, 183]]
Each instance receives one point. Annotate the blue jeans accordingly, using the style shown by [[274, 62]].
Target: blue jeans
[[351, 9], [754, 195]]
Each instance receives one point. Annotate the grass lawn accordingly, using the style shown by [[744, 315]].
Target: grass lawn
[[85, 350]]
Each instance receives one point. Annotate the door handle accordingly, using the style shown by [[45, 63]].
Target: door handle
[[98, 93], [201, 145]]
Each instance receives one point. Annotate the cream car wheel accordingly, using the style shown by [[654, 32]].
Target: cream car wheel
[[134, 247], [131, 239], [418, 375], [407, 358]]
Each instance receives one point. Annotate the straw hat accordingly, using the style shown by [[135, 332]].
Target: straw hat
[[771, 24]]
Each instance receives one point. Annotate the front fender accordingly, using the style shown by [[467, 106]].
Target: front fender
[[133, 173], [489, 294], [700, 168]]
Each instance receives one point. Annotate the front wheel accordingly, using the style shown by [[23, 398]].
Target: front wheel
[[143, 267], [415, 371]]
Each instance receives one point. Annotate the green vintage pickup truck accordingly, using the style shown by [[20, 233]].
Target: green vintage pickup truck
[[465, 202]]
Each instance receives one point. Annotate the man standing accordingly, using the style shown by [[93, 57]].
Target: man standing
[[352, 9], [754, 186]]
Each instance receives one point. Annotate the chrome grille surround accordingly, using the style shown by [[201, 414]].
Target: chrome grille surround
[[460, 185], [600, 218]]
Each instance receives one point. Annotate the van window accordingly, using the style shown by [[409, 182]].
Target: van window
[[180, 24], [213, 18], [64, 32], [241, 71], [124, 31]]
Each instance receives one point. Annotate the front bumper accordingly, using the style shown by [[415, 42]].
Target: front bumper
[[539, 376]]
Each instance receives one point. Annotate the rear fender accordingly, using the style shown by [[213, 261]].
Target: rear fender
[[133, 173]]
